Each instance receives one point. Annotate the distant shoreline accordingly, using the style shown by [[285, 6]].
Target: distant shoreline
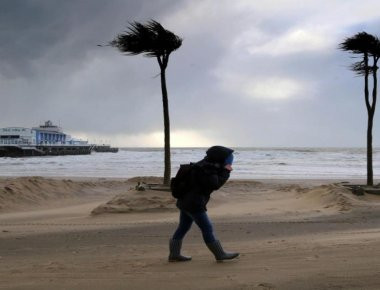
[[254, 147]]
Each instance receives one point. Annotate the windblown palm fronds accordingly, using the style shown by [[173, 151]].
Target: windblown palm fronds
[[361, 42], [361, 69], [151, 39]]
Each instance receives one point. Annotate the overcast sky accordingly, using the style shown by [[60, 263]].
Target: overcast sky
[[249, 72]]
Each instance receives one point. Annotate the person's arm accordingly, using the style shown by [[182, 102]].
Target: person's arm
[[222, 177], [215, 179]]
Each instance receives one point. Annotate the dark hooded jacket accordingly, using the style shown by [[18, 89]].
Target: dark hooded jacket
[[208, 175]]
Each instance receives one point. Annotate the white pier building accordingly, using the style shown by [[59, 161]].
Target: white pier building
[[47, 134]]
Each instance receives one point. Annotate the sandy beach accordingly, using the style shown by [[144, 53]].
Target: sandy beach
[[103, 234]]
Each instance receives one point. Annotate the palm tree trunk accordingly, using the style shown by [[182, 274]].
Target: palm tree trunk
[[370, 124], [167, 173], [369, 151], [371, 115]]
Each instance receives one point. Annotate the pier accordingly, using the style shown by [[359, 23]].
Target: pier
[[45, 140], [105, 148], [44, 150]]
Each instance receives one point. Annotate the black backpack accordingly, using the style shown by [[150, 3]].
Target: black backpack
[[182, 182]]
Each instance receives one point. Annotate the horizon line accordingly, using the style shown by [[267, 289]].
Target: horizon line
[[248, 147]]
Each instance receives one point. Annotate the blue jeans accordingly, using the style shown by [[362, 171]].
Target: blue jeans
[[201, 219]]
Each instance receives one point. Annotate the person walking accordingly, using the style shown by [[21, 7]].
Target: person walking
[[207, 175]]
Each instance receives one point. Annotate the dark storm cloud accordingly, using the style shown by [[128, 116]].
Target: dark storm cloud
[[61, 31], [251, 73], [32, 30]]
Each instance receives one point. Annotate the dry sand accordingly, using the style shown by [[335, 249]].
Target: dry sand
[[302, 234]]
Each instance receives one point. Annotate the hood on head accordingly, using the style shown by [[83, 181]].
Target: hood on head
[[218, 154]]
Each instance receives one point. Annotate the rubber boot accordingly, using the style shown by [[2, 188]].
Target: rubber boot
[[219, 253], [175, 251]]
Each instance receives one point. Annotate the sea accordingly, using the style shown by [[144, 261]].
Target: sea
[[249, 163]]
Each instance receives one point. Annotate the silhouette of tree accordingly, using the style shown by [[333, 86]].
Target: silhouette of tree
[[152, 40], [368, 47]]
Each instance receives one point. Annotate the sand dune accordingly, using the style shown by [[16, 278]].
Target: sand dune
[[249, 197], [35, 190], [335, 197], [237, 196], [146, 179], [329, 196], [138, 201], [28, 192]]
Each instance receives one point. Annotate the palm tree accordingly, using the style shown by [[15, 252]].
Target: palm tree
[[368, 47], [152, 40]]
